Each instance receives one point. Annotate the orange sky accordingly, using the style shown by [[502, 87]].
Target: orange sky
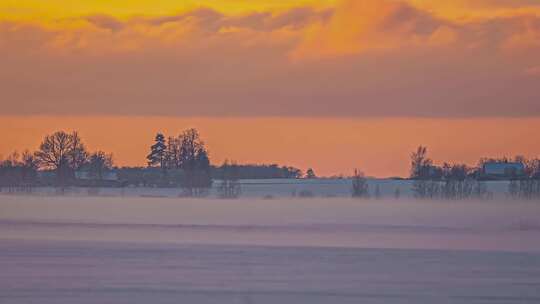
[[380, 147], [24, 9], [352, 58], [297, 80]]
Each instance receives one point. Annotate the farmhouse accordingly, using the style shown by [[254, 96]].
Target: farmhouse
[[502, 170], [106, 178]]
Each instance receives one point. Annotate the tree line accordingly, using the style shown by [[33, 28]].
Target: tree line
[[183, 161], [61, 153], [63, 160], [459, 181]]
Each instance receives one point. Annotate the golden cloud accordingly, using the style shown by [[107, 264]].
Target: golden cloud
[[301, 61]]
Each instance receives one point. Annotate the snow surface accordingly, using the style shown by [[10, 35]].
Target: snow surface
[[80, 249], [280, 188]]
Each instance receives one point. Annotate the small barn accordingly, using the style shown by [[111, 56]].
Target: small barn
[[86, 178]]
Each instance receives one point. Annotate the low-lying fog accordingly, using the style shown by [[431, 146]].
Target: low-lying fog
[[338, 222]]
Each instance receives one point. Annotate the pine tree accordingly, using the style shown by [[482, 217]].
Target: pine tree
[[157, 156], [310, 174]]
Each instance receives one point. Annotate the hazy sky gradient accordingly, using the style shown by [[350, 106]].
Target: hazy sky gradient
[[328, 63], [360, 58]]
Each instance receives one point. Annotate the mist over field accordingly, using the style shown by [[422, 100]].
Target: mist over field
[[341, 222], [319, 250]]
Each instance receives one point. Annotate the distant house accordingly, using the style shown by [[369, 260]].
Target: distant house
[[500, 170], [110, 176], [86, 178]]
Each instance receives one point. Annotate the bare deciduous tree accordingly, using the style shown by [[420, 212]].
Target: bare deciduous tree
[[420, 164], [195, 163], [62, 152], [77, 153], [18, 172], [173, 152], [99, 162], [360, 187], [230, 185]]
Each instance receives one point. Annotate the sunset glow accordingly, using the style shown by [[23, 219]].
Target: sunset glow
[[326, 84], [381, 147]]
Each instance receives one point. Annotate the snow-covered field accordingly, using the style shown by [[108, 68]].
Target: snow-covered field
[[281, 188], [80, 249]]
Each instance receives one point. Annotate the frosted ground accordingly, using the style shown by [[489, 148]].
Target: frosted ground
[[133, 249], [283, 188]]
